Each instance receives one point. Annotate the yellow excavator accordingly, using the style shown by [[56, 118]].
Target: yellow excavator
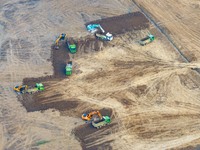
[[89, 116], [20, 89], [61, 37]]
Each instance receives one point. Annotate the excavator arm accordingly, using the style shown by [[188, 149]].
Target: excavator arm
[[89, 116], [61, 37]]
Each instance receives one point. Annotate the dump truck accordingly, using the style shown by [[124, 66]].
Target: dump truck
[[22, 89], [148, 39], [71, 45], [68, 68], [104, 37], [103, 122]]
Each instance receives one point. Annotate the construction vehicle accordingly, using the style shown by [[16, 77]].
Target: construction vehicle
[[106, 37], [100, 34], [94, 28], [61, 37], [89, 116], [71, 45], [97, 121], [22, 89], [103, 122], [148, 39], [68, 68]]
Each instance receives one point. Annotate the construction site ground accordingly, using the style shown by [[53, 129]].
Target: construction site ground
[[151, 92]]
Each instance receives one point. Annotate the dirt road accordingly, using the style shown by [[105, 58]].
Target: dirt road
[[151, 95]]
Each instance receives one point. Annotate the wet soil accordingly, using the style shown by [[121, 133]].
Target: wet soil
[[123, 23]]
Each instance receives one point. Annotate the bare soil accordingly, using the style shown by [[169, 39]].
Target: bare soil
[[150, 93]]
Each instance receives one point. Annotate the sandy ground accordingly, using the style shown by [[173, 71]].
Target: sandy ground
[[181, 21], [153, 95]]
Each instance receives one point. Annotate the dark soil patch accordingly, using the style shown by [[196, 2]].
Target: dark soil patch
[[60, 58], [35, 102], [123, 23]]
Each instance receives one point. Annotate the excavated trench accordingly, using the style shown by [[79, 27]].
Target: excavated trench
[[37, 102]]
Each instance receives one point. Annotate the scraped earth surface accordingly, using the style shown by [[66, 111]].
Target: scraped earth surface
[[151, 95]]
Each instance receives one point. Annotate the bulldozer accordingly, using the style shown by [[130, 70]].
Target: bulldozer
[[61, 37], [100, 34], [22, 89], [97, 122]]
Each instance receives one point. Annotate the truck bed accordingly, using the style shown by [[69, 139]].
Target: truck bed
[[144, 39]]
